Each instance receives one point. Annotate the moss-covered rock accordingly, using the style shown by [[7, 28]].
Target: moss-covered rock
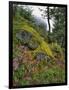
[[41, 56], [24, 36], [33, 44]]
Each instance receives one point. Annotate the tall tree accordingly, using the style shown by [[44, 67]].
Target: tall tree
[[48, 17], [58, 13], [46, 14]]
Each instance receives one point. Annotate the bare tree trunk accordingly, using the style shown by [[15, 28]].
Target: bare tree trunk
[[48, 17]]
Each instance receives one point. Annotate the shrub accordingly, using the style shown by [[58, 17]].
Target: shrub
[[56, 48]]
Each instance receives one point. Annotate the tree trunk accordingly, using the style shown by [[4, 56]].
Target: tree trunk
[[48, 17], [63, 42]]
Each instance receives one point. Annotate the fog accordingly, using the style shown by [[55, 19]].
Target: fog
[[36, 12]]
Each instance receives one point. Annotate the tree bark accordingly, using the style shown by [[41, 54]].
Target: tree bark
[[48, 17]]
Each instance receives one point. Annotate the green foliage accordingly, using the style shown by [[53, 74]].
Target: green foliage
[[23, 83], [18, 76], [58, 16], [59, 25], [52, 75], [44, 72], [22, 11], [56, 48], [19, 72]]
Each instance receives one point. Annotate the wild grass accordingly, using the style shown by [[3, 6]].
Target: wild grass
[[31, 71]]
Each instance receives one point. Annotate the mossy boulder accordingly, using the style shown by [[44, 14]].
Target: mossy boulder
[[33, 44], [27, 38], [41, 56], [24, 36]]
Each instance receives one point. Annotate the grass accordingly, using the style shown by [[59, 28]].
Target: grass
[[52, 75], [31, 71]]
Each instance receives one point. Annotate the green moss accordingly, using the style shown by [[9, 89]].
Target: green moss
[[19, 25]]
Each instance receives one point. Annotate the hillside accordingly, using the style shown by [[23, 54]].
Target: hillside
[[35, 61]]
